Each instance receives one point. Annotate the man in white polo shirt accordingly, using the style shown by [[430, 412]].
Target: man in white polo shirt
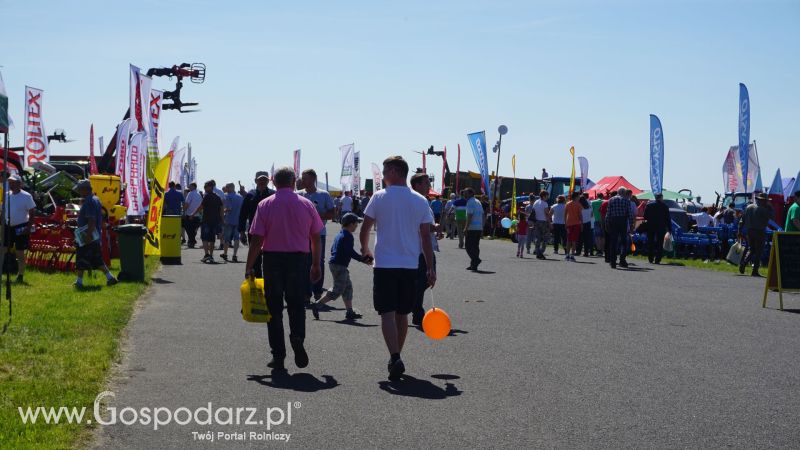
[[404, 231], [18, 228]]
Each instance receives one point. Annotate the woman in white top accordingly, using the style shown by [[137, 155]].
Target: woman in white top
[[559, 226]]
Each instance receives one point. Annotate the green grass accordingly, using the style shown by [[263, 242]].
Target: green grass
[[58, 350], [719, 265]]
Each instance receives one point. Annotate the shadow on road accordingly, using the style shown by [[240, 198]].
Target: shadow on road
[[791, 310], [161, 281], [483, 272], [414, 387], [353, 323], [454, 332], [301, 382]]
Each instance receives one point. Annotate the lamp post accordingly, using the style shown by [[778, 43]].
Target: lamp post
[[502, 129]]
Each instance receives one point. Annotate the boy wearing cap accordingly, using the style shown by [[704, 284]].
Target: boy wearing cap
[[342, 252]]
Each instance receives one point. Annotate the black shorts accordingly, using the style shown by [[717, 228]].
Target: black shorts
[[393, 290], [19, 241], [89, 256], [209, 231]]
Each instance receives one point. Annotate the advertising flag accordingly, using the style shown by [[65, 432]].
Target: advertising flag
[[514, 187], [296, 159], [583, 163], [120, 163], [92, 162], [347, 154], [154, 118], [36, 146], [732, 169], [175, 171], [572, 177], [656, 155], [458, 169], [478, 142], [152, 240], [136, 160], [377, 177], [5, 119], [356, 172], [744, 132], [136, 100]]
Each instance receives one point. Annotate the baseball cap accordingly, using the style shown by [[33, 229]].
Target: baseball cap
[[83, 184], [262, 173], [349, 218], [14, 177]]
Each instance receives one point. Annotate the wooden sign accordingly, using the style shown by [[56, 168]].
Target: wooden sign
[[783, 273]]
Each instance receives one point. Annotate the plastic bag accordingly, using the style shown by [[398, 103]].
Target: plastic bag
[[735, 253], [668, 242]]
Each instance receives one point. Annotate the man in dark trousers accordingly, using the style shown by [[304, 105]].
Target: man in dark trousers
[[619, 223], [754, 223], [248, 211], [656, 214], [284, 227]]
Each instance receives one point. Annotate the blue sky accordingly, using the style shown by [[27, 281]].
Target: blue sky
[[399, 77]]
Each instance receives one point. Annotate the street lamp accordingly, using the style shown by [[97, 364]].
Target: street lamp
[[502, 129]]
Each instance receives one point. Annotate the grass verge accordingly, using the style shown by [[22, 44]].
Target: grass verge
[[718, 265], [58, 350]]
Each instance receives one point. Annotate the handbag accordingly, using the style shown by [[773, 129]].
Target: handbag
[[668, 242], [735, 253]]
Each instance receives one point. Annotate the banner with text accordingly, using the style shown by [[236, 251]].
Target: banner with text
[[656, 155], [478, 142], [36, 146], [583, 163], [154, 118], [296, 162], [744, 134], [347, 157], [152, 240], [377, 177], [121, 158], [356, 173], [136, 189]]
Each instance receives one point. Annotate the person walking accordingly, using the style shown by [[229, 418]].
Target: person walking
[[618, 223], [460, 205], [586, 242], [347, 204], [191, 214], [541, 231], [323, 201], [230, 231], [522, 234], [404, 221], [473, 229], [421, 184], [17, 226], [573, 217], [211, 224], [793, 215], [88, 255], [559, 224], [449, 217], [173, 201], [599, 226], [656, 215], [436, 207], [342, 251], [249, 207], [754, 223], [286, 225]]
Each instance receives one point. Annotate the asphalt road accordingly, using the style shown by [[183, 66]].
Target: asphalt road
[[543, 354]]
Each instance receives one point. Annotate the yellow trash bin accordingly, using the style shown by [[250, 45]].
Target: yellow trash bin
[[170, 239]]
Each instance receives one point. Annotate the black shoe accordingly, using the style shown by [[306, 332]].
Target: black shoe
[[741, 269], [755, 274], [191, 245], [111, 281], [315, 310], [235, 259], [396, 369], [19, 279], [471, 268], [276, 363], [623, 264], [300, 355], [224, 256], [352, 315], [416, 320], [658, 261], [613, 265]]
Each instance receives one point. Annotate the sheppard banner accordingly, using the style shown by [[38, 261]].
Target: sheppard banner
[[36, 148], [656, 155], [154, 117], [152, 240], [377, 178], [135, 166], [121, 161], [478, 142], [584, 165], [139, 91], [347, 152], [744, 133], [356, 172], [296, 159]]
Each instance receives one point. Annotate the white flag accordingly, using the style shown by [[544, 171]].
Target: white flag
[[347, 152], [356, 172], [121, 159], [36, 146], [377, 177], [154, 118], [139, 93], [136, 191], [178, 160]]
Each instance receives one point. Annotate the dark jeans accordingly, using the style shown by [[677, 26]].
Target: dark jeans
[[755, 248], [586, 242], [559, 236], [472, 242], [316, 288], [617, 239], [655, 244], [420, 286], [285, 280], [191, 224]]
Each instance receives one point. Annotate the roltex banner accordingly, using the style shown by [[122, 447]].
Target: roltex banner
[[135, 166], [347, 154], [152, 240], [744, 133], [36, 146], [154, 118], [377, 177], [583, 163], [121, 158], [356, 172], [478, 142], [656, 155]]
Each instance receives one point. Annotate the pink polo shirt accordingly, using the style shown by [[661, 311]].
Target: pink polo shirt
[[286, 221]]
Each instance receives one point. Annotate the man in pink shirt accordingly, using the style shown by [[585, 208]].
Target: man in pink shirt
[[282, 228]]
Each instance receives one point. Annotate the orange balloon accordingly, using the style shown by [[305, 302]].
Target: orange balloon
[[436, 323]]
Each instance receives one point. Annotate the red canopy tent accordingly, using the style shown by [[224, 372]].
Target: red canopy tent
[[432, 193], [612, 183]]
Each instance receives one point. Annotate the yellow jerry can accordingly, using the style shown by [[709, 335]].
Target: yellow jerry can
[[254, 303]]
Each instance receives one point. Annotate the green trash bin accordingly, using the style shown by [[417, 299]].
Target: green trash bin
[[131, 252]]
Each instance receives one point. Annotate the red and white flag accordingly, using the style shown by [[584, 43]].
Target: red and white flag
[[139, 93], [123, 133], [92, 162], [297, 162], [154, 117], [36, 146], [136, 196]]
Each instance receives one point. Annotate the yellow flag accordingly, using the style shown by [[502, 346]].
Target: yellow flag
[[152, 244], [514, 188], [572, 177]]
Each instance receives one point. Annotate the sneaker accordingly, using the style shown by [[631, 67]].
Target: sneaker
[[755, 274], [315, 310], [19, 279], [211, 260], [224, 256], [77, 285], [112, 281], [352, 315], [235, 259], [416, 320], [205, 259], [567, 258], [275, 363], [396, 369], [220, 247], [623, 264], [300, 355]]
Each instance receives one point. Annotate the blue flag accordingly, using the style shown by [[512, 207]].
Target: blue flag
[[478, 142], [656, 155], [744, 131]]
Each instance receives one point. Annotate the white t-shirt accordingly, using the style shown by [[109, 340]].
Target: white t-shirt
[[540, 209], [20, 206], [347, 204], [587, 215], [398, 212], [193, 201], [558, 213], [703, 219]]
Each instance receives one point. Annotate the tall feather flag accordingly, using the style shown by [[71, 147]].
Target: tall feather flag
[[5, 120], [572, 177], [583, 163], [458, 168], [514, 187], [92, 162], [656, 155], [744, 131], [153, 235]]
